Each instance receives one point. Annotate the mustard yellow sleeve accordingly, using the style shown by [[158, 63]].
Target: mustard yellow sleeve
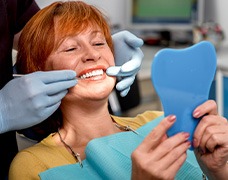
[[139, 120], [25, 166]]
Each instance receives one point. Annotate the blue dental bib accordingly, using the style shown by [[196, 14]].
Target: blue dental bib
[[110, 158]]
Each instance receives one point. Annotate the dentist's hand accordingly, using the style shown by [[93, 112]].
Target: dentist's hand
[[28, 100], [128, 59]]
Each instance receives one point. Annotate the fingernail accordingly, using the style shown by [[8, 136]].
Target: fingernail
[[189, 144], [196, 113], [186, 135], [195, 143], [172, 118]]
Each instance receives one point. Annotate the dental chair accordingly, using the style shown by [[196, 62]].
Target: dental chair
[[118, 105]]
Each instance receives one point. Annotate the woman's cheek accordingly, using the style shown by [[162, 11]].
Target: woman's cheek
[[113, 60], [63, 65]]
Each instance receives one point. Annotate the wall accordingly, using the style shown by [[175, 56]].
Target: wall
[[216, 10], [114, 9]]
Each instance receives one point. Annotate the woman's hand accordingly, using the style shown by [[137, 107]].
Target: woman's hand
[[159, 157], [211, 141]]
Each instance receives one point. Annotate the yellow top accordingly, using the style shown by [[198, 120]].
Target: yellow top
[[30, 162]]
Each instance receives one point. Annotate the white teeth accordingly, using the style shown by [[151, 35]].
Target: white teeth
[[92, 73]]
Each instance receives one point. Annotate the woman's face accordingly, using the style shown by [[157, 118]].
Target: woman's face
[[88, 54]]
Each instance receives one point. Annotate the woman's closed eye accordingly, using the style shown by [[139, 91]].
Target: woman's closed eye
[[99, 44], [70, 49]]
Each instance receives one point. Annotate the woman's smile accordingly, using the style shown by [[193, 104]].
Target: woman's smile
[[93, 73]]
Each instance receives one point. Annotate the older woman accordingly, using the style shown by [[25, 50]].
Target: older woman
[[76, 36]]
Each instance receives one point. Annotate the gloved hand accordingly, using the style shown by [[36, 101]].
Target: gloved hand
[[28, 100], [128, 59]]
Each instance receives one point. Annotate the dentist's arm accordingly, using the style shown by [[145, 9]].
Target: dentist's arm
[[28, 100], [128, 59]]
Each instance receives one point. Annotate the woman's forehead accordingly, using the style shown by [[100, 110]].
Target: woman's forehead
[[71, 28], [61, 35]]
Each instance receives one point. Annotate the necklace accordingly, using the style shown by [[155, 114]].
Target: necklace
[[125, 128], [77, 155]]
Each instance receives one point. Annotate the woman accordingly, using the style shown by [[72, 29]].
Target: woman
[[76, 36]]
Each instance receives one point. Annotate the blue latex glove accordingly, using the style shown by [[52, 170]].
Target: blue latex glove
[[128, 59], [30, 99]]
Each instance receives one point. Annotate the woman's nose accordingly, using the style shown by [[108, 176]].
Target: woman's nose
[[91, 54]]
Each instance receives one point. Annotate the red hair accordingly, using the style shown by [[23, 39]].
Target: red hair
[[48, 28]]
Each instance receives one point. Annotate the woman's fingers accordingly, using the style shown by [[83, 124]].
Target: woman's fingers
[[206, 128], [217, 140], [157, 134], [203, 111], [161, 162], [166, 147], [174, 167], [208, 107], [159, 157]]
